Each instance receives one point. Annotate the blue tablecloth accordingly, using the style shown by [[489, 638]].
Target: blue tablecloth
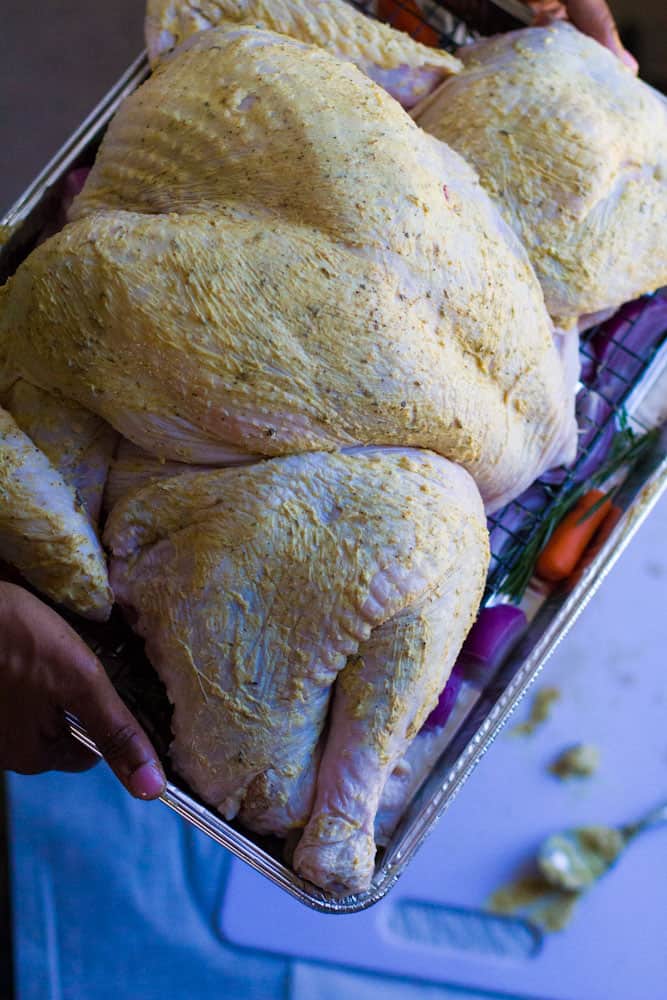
[[117, 900]]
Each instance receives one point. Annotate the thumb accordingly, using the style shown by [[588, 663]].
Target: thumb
[[594, 18]]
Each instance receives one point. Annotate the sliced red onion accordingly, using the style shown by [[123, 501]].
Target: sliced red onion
[[625, 342], [588, 364], [446, 701], [597, 428], [611, 360], [488, 642], [71, 187]]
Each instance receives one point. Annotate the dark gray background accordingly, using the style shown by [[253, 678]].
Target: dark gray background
[[59, 57]]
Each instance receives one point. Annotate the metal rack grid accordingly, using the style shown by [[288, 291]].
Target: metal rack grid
[[604, 389]]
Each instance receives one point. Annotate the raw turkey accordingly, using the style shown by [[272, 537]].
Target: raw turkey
[[573, 149], [45, 529], [271, 260], [288, 263], [78, 443], [254, 588], [570, 145], [406, 69], [132, 467]]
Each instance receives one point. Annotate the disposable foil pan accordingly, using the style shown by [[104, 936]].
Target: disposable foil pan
[[476, 725]]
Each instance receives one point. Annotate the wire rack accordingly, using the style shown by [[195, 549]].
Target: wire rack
[[608, 378]]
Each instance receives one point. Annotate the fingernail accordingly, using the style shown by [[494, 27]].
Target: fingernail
[[147, 782], [629, 61]]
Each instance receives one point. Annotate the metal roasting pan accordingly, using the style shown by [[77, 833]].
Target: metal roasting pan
[[482, 714]]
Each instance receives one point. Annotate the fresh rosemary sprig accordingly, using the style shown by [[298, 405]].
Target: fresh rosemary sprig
[[627, 448]]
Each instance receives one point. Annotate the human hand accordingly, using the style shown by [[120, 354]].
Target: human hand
[[45, 670], [594, 18], [591, 17]]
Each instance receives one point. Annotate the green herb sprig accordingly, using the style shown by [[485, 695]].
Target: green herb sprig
[[627, 448]]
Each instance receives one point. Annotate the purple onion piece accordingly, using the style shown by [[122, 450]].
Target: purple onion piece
[[506, 525], [72, 186], [554, 477], [611, 360], [588, 366], [596, 433], [624, 343], [446, 701], [489, 640], [597, 428]]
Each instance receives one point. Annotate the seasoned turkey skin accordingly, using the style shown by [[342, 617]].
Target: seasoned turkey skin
[[79, 444], [571, 146], [132, 468], [573, 149], [406, 69], [45, 530], [290, 264], [256, 588]]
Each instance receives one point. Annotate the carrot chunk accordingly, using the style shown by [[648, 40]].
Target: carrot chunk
[[405, 15], [570, 539]]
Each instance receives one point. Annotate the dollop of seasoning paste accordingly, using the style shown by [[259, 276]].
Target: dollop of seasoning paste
[[540, 711], [578, 761]]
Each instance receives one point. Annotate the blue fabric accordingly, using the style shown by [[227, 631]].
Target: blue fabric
[[114, 899], [316, 982], [118, 900]]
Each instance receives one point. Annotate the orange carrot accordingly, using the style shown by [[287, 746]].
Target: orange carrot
[[405, 15], [601, 535], [568, 542]]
